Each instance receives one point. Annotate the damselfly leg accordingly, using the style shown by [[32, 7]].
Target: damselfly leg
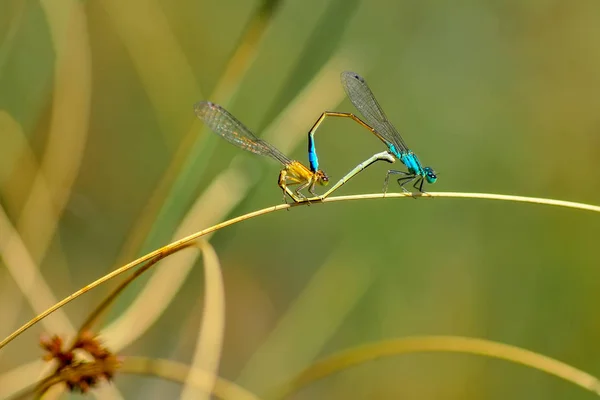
[[408, 176]]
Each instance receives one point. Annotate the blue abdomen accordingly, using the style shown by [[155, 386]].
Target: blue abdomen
[[312, 154]]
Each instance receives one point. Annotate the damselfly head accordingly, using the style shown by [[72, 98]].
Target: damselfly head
[[322, 178], [430, 175]]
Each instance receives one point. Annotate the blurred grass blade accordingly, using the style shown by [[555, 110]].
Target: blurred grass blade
[[20, 166], [17, 156], [61, 160], [244, 54], [18, 163], [8, 42], [18, 379], [27, 275], [9, 295], [172, 194], [68, 126], [323, 92], [457, 344], [332, 24], [177, 372], [145, 32], [150, 34], [62, 156], [210, 338], [290, 346]]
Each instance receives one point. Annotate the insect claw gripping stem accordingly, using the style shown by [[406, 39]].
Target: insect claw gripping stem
[[405, 181]]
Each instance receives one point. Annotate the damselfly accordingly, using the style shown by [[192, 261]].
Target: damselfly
[[227, 126], [363, 99]]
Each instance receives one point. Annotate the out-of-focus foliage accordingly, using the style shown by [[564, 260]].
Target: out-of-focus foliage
[[102, 158]]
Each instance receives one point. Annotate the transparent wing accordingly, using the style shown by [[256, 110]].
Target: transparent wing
[[227, 126], [363, 99]]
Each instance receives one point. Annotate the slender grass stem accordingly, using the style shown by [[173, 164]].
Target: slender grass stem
[[184, 242], [420, 344]]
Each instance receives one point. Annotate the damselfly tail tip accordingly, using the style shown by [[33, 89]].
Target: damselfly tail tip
[[203, 107], [351, 75], [203, 104]]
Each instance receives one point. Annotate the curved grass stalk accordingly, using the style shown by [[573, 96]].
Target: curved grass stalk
[[182, 373], [96, 313], [456, 344], [209, 344], [289, 347], [184, 242]]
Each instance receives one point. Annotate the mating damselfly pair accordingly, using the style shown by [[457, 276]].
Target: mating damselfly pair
[[295, 173]]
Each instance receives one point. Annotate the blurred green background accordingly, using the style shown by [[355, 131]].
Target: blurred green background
[[103, 160]]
